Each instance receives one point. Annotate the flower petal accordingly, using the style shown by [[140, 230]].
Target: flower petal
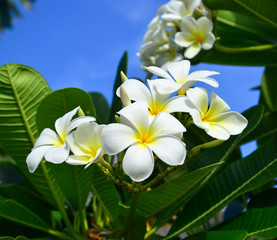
[[48, 137], [233, 122], [204, 25], [165, 124], [35, 157], [137, 114], [179, 70], [199, 97], [192, 50], [208, 42], [189, 25], [169, 149], [184, 39], [159, 72], [116, 137], [74, 146], [217, 106], [138, 162], [63, 122], [178, 104], [76, 122], [196, 117], [217, 131], [203, 76], [136, 90], [77, 160], [57, 154], [165, 86]]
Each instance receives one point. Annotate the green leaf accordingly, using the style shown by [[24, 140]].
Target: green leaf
[[59, 103], [102, 107], [16, 212], [267, 198], [162, 196], [106, 193], [21, 90], [137, 229], [219, 235], [246, 26], [116, 102], [264, 10], [266, 128], [269, 88], [11, 238], [238, 178], [259, 222]]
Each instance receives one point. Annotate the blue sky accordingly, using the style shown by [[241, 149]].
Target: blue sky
[[79, 43]]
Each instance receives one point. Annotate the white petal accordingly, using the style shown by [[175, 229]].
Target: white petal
[[178, 104], [77, 160], [35, 157], [196, 117], [169, 149], [138, 162], [74, 146], [217, 106], [137, 114], [57, 154], [217, 131], [179, 70], [188, 25], [204, 24], [165, 124], [171, 17], [47, 137], [203, 76], [159, 72], [62, 124], [184, 39], [136, 90], [116, 137], [165, 86], [208, 42], [199, 97], [233, 122], [192, 50], [76, 122], [88, 135]]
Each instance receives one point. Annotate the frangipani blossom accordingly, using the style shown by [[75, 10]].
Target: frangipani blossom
[[85, 143], [216, 120], [52, 145], [157, 102], [196, 34], [176, 10], [178, 72], [142, 138]]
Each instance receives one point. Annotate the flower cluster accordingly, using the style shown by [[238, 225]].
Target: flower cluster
[[180, 25], [146, 128]]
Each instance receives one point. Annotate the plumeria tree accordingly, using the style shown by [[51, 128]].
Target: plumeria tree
[[163, 161]]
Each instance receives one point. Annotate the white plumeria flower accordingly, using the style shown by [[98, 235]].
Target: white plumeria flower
[[142, 138], [216, 120], [177, 10], [179, 73], [85, 143], [52, 146], [196, 34], [157, 102]]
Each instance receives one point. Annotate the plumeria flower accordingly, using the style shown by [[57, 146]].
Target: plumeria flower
[[141, 139], [52, 145], [178, 72], [85, 143], [216, 120], [157, 102], [196, 34], [177, 10]]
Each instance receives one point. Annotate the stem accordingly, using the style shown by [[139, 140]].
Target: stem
[[132, 212], [106, 164], [57, 234], [245, 49]]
